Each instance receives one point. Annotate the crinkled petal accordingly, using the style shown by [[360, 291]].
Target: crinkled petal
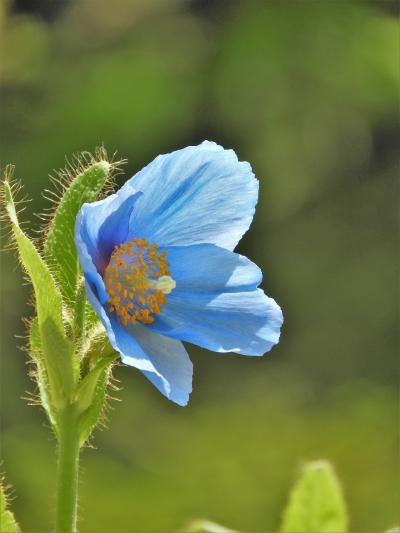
[[200, 194], [94, 283], [164, 361], [174, 369], [119, 338], [209, 268], [103, 224], [246, 323]]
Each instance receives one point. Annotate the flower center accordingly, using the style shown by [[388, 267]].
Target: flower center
[[137, 279]]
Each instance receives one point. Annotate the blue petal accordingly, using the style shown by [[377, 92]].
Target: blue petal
[[216, 303], [174, 370], [94, 281], [244, 321], [208, 268], [195, 195], [103, 224], [162, 360]]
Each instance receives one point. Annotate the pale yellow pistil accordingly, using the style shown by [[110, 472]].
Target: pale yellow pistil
[[137, 281], [165, 284]]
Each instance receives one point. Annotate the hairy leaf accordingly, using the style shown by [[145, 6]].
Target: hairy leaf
[[8, 523], [91, 395], [35, 346], [59, 247], [58, 354]]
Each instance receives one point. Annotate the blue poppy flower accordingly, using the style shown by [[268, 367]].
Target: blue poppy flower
[[159, 265]]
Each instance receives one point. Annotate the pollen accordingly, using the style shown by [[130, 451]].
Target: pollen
[[137, 281]]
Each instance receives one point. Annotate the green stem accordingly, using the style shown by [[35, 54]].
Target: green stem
[[67, 473]]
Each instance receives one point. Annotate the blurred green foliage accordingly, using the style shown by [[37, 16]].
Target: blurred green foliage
[[307, 92]]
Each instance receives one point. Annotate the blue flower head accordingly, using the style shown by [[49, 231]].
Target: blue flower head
[[159, 265]]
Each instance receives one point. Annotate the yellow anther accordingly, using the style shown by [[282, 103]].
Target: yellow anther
[[137, 280]]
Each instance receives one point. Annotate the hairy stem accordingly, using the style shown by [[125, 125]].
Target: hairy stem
[[68, 469]]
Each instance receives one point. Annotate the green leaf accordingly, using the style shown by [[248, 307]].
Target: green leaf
[[35, 346], [90, 418], [91, 395], [86, 389], [57, 350], [8, 523], [79, 317], [59, 247], [316, 502]]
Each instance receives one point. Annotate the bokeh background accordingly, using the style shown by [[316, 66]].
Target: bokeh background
[[307, 91]]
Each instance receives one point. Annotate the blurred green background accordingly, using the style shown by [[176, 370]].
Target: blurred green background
[[307, 91]]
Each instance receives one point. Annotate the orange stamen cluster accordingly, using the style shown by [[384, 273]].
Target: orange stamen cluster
[[131, 281]]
